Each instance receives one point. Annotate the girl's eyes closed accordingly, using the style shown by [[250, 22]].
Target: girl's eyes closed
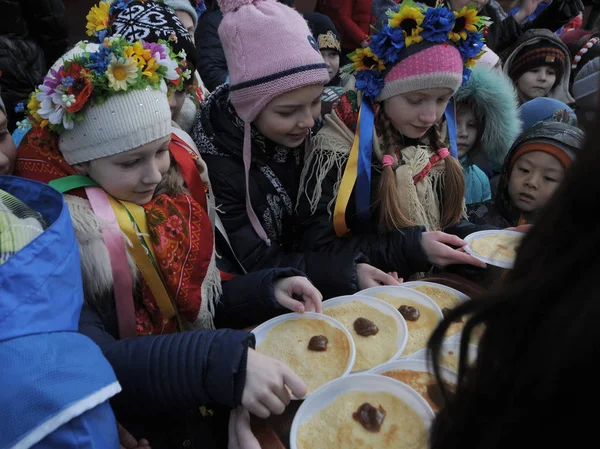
[[128, 164]]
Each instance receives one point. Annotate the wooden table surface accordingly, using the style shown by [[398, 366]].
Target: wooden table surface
[[274, 432]]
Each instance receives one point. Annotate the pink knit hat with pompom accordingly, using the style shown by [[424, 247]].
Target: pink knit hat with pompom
[[269, 51]]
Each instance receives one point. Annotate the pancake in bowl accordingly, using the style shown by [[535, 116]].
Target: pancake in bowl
[[502, 247], [423, 383], [371, 350], [288, 341], [335, 427], [420, 330], [446, 300]]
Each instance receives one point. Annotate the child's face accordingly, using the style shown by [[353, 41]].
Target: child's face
[[466, 130], [8, 151], [536, 83], [133, 175], [176, 100], [288, 118], [534, 178], [187, 22], [332, 59], [413, 113]]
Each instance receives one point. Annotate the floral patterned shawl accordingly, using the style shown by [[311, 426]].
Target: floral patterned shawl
[[180, 231]]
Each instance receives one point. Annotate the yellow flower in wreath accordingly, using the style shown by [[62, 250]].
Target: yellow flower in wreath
[[465, 20], [365, 59], [34, 106], [97, 18], [409, 19], [121, 73], [139, 53]]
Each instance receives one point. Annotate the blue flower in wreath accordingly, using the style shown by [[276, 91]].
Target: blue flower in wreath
[[437, 24], [387, 44], [370, 82], [466, 75], [471, 46]]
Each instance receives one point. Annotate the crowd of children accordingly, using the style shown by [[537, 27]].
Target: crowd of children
[[335, 154]]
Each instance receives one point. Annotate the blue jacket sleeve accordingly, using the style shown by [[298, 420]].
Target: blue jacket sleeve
[[172, 372], [250, 299]]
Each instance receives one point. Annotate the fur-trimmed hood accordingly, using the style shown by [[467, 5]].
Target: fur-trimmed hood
[[561, 90], [496, 101]]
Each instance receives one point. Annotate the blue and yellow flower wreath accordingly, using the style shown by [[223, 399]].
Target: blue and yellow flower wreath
[[412, 24]]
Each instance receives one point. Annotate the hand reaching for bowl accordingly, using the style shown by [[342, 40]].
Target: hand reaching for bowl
[[368, 276], [301, 287], [439, 253], [267, 382]]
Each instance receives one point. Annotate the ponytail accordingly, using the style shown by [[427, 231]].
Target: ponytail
[[453, 191], [391, 217]]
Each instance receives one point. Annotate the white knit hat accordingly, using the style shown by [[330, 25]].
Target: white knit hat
[[121, 123], [184, 5]]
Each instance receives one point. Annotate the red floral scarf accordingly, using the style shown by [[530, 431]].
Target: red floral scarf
[[180, 231]]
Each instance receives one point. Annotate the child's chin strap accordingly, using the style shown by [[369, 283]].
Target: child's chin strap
[[451, 124]]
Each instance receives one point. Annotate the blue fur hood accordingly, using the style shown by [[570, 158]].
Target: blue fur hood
[[495, 100]]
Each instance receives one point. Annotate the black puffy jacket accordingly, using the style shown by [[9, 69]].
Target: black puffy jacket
[[220, 142], [212, 65], [33, 34]]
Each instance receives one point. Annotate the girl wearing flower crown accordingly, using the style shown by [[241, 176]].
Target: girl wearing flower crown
[[379, 166], [153, 294]]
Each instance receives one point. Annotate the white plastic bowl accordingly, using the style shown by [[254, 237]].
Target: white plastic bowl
[[260, 332], [448, 347], [403, 292], [421, 366], [323, 396], [489, 260], [381, 306]]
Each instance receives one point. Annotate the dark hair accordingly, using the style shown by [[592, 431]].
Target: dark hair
[[479, 118], [532, 380]]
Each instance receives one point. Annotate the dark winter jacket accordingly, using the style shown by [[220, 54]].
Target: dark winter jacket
[[273, 185], [166, 378], [33, 34], [212, 65], [503, 33]]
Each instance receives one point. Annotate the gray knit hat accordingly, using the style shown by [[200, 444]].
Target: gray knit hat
[[184, 5], [585, 86]]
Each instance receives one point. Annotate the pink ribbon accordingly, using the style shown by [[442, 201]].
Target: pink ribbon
[[388, 160], [115, 243]]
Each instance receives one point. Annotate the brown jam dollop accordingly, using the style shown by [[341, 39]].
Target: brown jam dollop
[[409, 313], [369, 417], [318, 343], [365, 327]]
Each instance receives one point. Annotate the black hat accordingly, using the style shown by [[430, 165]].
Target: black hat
[[323, 31]]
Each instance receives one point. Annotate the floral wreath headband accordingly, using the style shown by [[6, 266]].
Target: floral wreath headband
[[117, 66], [412, 24]]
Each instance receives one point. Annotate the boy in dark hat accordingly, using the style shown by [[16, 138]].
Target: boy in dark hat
[[539, 66], [328, 41]]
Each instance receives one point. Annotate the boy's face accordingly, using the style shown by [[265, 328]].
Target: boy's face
[[534, 178], [466, 130], [133, 175], [536, 83], [8, 151], [332, 59]]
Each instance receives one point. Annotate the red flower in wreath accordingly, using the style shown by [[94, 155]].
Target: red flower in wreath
[[80, 87]]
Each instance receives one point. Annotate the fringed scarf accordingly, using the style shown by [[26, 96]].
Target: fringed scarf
[[419, 171], [180, 232]]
